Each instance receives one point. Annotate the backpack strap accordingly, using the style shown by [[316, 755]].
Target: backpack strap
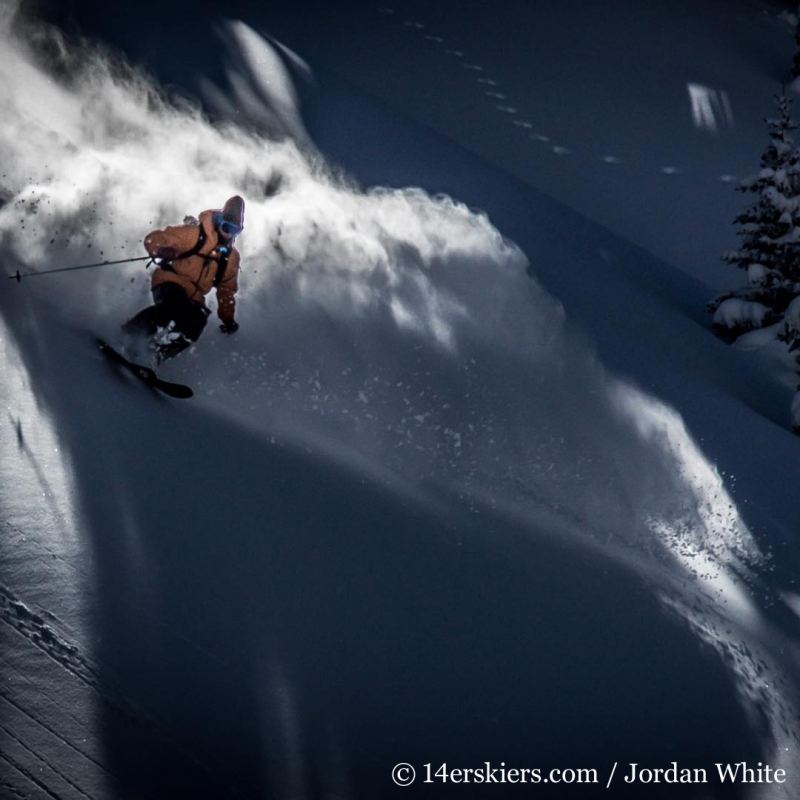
[[222, 265], [221, 259], [192, 251], [198, 246]]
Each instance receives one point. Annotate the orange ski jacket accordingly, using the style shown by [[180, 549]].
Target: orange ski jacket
[[197, 273]]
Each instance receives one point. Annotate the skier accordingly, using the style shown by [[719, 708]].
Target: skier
[[193, 259]]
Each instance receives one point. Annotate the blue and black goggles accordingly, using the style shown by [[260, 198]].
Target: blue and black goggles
[[228, 228]]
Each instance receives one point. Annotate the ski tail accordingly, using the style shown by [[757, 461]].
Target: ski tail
[[146, 375]]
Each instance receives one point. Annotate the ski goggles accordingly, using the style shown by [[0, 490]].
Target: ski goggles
[[229, 228]]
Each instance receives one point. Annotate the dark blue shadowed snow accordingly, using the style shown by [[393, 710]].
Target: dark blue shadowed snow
[[410, 516]]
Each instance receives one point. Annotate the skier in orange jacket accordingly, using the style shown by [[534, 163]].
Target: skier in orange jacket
[[193, 259]]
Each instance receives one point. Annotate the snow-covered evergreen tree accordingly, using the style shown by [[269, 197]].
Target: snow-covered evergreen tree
[[770, 249]]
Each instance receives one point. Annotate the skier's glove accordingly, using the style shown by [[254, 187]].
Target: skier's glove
[[229, 326], [166, 253]]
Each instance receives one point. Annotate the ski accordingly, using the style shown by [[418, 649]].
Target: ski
[[145, 374]]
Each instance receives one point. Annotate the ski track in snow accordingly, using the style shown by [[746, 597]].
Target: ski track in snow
[[541, 136], [36, 631]]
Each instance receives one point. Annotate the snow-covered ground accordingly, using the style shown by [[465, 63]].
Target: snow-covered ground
[[474, 481]]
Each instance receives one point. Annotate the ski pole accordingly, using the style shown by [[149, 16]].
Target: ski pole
[[19, 276]]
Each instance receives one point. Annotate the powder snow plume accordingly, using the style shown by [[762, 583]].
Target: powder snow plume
[[388, 328]]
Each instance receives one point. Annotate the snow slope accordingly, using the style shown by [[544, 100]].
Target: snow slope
[[638, 116], [420, 510]]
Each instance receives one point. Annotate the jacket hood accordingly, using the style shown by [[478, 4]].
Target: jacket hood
[[233, 211]]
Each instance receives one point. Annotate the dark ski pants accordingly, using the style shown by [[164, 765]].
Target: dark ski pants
[[172, 309]]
